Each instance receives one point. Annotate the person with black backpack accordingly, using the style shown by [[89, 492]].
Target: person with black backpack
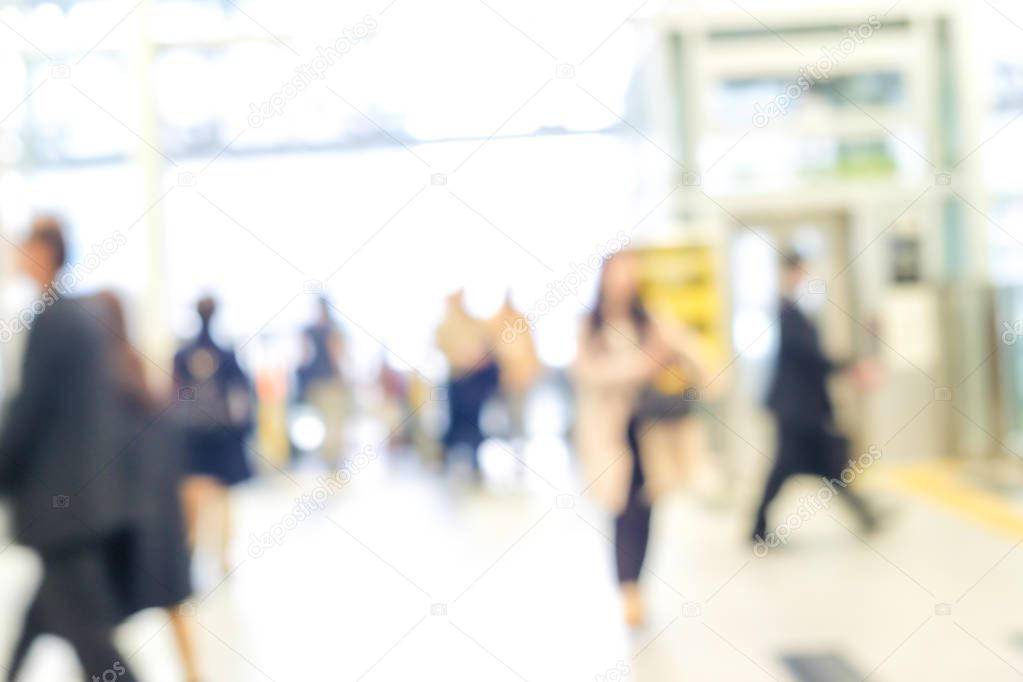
[[214, 401]]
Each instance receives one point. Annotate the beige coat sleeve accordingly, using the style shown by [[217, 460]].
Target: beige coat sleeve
[[445, 339], [608, 370]]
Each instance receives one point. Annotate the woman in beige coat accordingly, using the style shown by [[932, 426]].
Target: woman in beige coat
[[627, 461]]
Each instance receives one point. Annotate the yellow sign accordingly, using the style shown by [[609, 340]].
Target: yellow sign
[[680, 283]]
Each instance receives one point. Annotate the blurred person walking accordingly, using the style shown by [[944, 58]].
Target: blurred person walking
[[472, 378], [396, 412], [320, 383], [214, 399], [60, 466], [808, 441], [519, 366], [629, 456], [158, 573]]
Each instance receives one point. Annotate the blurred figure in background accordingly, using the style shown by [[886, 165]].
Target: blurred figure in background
[[518, 363], [808, 440], [320, 383], [157, 575], [627, 459], [472, 378], [60, 465], [214, 399], [397, 413]]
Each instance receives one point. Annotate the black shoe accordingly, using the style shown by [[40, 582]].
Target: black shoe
[[875, 521]]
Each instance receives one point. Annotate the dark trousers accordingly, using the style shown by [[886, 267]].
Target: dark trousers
[[806, 451], [76, 601], [632, 525], [466, 396]]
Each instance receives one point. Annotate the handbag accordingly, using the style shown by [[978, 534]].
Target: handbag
[[826, 454], [668, 397], [836, 454], [654, 404]]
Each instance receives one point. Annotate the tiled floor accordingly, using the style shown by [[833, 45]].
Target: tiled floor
[[406, 576]]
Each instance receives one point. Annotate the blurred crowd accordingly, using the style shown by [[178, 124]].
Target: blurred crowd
[[118, 482]]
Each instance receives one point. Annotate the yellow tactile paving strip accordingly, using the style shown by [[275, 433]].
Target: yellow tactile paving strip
[[941, 484]]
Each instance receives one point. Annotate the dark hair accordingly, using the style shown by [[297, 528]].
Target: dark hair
[[793, 259], [49, 231], [206, 307], [128, 368], [637, 311]]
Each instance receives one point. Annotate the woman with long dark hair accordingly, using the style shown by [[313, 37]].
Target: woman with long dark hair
[[628, 459], [158, 572]]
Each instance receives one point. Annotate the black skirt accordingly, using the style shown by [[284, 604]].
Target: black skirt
[[219, 454], [156, 565]]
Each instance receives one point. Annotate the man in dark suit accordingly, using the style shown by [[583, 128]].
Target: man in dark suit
[[798, 398], [60, 467]]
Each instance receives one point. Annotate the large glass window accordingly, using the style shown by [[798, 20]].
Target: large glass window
[[316, 146]]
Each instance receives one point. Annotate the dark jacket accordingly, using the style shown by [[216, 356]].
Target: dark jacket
[[58, 448], [798, 394], [205, 403]]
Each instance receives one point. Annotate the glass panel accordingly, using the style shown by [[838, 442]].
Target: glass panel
[[95, 116], [264, 228], [103, 206], [1006, 240], [13, 109]]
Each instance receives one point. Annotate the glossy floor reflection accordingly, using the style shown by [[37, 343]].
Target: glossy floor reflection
[[405, 575]]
